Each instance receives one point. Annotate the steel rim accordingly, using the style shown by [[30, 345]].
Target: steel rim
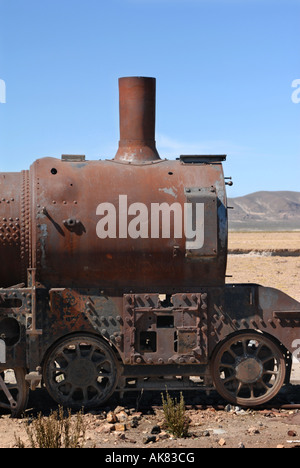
[[81, 372], [18, 388], [248, 369]]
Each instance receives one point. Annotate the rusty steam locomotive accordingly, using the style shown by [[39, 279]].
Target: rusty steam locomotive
[[112, 278]]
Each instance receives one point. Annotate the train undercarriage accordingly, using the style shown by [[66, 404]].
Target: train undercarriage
[[85, 345]]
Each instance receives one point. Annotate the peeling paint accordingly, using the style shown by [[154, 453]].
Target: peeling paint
[[169, 191]]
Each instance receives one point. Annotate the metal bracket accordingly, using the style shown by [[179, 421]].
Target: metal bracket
[[32, 285]]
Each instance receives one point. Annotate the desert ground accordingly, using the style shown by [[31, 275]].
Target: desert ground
[[270, 259]]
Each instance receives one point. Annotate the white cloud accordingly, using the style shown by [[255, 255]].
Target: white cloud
[[169, 147]]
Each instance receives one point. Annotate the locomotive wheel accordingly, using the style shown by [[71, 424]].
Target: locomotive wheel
[[81, 371], [15, 396], [248, 369]]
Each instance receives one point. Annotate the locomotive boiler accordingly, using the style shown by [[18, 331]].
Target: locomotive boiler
[[112, 278]]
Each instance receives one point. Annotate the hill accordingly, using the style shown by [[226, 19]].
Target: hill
[[265, 211]]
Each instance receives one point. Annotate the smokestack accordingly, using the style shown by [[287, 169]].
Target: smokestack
[[137, 120]]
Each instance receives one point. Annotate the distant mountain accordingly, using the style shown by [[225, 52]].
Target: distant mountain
[[278, 211]]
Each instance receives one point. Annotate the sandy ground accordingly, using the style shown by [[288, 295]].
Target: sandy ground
[[270, 259], [264, 241], [210, 426], [277, 272]]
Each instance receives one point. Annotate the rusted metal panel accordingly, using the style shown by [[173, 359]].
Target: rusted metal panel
[[164, 332], [75, 255], [204, 199], [281, 316], [15, 239], [253, 307]]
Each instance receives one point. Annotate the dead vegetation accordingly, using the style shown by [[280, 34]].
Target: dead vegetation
[[59, 430]]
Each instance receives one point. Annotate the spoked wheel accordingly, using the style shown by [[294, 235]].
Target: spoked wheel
[[248, 369], [81, 371], [14, 391]]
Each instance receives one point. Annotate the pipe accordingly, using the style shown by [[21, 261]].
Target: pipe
[[137, 120]]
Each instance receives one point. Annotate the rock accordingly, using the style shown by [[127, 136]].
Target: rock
[[241, 445], [228, 408], [155, 430], [122, 416], [292, 433], [219, 431], [163, 435], [134, 423], [120, 427], [106, 428], [111, 418], [148, 439], [222, 442], [137, 415], [119, 409], [253, 430]]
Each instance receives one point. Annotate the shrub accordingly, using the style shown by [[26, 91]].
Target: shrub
[[175, 416], [55, 431]]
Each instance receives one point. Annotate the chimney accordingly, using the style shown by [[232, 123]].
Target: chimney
[[137, 120]]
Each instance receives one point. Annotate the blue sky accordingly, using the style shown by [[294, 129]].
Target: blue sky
[[224, 71]]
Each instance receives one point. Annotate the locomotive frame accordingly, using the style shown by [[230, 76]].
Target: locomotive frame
[[154, 315]]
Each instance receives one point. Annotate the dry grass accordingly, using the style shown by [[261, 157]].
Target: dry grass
[[55, 431]]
